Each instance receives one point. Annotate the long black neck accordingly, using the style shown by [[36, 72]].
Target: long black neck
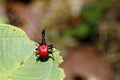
[[43, 37]]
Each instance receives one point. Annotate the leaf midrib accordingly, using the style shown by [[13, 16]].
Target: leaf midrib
[[18, 66]]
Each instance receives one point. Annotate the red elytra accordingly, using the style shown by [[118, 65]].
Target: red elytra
[[43, 50]]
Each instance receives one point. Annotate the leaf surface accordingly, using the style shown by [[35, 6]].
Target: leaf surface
[[18, 60]]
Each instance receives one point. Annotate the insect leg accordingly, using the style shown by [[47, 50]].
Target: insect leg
[[50, 46], [50, 52]]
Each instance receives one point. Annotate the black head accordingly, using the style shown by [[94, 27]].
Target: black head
[[43, 37], [43, 33]]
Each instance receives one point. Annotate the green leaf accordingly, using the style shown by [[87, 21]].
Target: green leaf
[[18, 60]]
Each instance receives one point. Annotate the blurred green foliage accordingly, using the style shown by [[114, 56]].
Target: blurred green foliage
[[3, 19], [92, 15]]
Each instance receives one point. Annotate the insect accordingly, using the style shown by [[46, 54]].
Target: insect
[[43, 50]]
